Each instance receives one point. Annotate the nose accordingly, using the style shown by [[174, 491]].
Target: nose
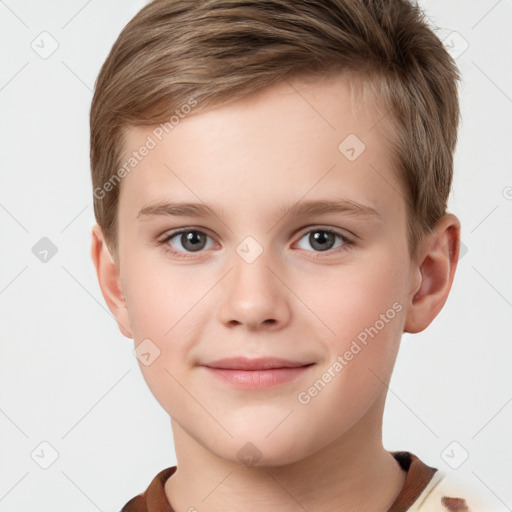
[[253, 296]]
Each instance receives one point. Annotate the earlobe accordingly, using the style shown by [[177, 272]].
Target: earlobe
[[109, 280], [436, 266]]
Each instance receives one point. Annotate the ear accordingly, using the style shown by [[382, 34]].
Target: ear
[[434, 270], [109, 280]]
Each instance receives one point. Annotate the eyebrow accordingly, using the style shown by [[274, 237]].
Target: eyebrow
[[307, 207]]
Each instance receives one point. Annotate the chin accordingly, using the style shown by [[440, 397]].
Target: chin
[[256, 450]]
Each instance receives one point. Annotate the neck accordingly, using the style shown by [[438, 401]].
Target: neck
[[353, 472]]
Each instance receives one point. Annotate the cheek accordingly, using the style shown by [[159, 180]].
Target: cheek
[[157, 299], [159, 307], [349, 298], [364, 310], [366, 313], [166, 307]]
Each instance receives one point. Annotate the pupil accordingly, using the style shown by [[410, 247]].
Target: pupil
[[320, 240], [193, 241]]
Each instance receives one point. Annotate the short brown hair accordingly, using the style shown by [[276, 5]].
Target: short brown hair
[[218, 51]]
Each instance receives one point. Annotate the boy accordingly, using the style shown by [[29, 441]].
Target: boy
[[270, 185]]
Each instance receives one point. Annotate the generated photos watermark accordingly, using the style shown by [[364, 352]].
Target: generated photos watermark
[[150, 143], [361, 341]]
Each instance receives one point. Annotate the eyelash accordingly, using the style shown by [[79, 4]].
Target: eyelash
[[347, 242]]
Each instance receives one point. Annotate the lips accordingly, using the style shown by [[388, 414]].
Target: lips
[[264, 363], [259, 373]]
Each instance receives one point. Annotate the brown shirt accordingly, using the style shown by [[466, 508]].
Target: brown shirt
[[417, 478]]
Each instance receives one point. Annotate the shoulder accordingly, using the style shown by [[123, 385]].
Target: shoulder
[[447, 492], [153, 498], [137, 504]]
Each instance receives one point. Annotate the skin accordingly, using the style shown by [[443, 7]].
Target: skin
[[247, 160]]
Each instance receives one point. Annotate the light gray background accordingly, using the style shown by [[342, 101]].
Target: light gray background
[[69, 378]]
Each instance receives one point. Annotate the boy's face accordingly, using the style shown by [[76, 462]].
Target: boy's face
[[263, 283]]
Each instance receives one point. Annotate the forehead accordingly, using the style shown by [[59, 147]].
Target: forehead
[[297, 138]]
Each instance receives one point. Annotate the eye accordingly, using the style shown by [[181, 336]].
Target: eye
[[186, 241], [191, 240], [323, 239]]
